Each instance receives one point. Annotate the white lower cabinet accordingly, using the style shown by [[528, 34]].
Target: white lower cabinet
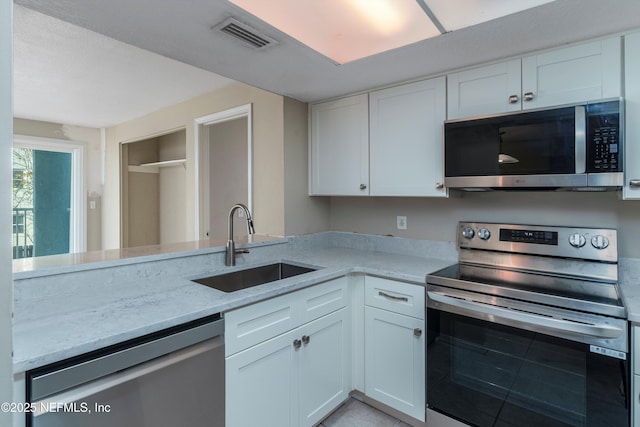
[[395, 345], [324, 366], [298, 377], [259, 384], [394, 361], [289, 360]]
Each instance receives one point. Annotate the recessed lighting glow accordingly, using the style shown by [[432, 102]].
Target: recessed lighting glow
[[346, 30], [454, 15], [380, 14]]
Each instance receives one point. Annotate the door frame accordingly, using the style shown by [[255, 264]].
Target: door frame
[[78, 214], [201, 163]]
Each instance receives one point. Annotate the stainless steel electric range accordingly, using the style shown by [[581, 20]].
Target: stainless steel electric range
[[528, 329]]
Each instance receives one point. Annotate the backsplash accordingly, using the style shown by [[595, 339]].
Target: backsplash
[[436, 219]]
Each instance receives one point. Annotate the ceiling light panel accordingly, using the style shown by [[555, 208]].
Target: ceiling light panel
[[346, 30], [454, 15]]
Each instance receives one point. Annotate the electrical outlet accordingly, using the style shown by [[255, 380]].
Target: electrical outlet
[[401, 222]]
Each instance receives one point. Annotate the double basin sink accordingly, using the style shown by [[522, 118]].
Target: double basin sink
[[243, 279]]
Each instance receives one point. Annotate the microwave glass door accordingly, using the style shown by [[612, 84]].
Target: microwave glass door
[[540, 142]]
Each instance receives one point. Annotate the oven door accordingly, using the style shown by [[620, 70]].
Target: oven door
[[485, 369]]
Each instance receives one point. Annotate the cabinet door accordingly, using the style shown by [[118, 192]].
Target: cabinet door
[[325, 360], [339, 151], [260, 384], [631, 189], [406, 139], [395, 361], [484, 90], [578, 73]]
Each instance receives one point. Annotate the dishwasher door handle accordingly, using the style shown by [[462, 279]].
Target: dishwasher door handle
[[541, 322]]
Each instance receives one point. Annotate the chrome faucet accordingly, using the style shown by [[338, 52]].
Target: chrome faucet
[[230, 256]]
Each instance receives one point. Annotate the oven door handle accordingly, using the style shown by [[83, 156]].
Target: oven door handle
[[541, 322]]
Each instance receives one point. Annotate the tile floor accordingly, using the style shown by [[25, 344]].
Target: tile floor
[[354, 413]]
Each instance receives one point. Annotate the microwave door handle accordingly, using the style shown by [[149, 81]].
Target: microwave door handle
[[542, 323], [581, 139]]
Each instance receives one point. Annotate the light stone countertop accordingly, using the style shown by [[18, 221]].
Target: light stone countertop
[[629, 280], [66, 310]]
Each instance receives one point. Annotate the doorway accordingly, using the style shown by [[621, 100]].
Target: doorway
[[224, 149], [48, 197]]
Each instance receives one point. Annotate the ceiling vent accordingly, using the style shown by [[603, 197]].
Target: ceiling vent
[[246, 34]]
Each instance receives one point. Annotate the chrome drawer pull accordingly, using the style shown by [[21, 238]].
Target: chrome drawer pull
[[513, 99], [306, 339], [417, 332], [297, 344], [634, 183], [393, 297]]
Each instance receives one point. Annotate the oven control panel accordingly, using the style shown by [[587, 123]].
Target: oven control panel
[[585, 243]]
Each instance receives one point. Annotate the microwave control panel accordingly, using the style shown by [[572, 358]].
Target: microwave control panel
[[603, 139]]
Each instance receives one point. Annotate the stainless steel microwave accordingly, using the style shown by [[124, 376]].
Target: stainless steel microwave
[[575, 147]]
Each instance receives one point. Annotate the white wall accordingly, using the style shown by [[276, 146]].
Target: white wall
[[6, 140], [267, 146], [436, 219]]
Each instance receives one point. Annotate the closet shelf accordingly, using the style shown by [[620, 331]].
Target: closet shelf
[[165, 163]]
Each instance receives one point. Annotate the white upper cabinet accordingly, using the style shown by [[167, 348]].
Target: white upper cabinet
[[405, 139], [631, 189], [387, 143], [485, 90], [339, 148], [584, 72], [578, 73]]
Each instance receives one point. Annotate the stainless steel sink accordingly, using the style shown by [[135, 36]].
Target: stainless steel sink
[[242, 279]]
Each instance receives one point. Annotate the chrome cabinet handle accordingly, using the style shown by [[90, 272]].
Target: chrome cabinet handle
[[528, 96], [306, 339], [439, 186], [363, 187], [417, 332], [634, 183], [393, 297], [513, 99], [297, 344]]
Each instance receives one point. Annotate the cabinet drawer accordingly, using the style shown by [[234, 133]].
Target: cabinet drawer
[[319, 300], [399, 297], [253, 324]]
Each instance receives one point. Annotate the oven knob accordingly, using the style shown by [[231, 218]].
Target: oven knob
[[484, 233], [468, 233], [577, 240], [599, 242]]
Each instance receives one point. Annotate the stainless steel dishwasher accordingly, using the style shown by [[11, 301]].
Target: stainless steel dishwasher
[[167, 379]]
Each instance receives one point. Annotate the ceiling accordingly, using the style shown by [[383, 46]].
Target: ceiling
[[181, 32], [67, 74]]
